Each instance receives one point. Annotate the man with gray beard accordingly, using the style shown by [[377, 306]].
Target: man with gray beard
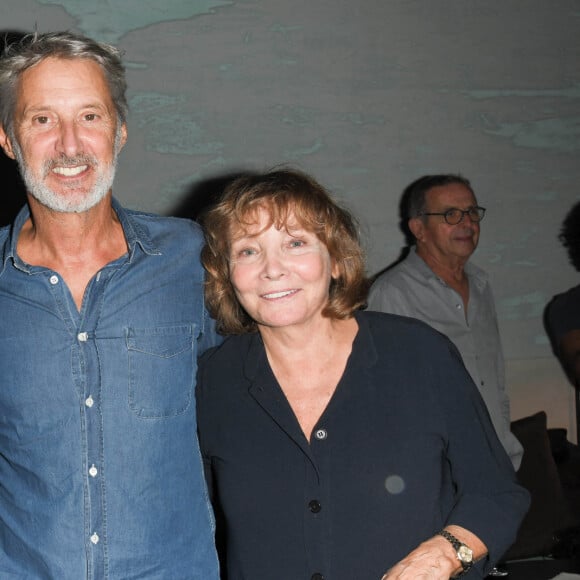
[[102, 319]]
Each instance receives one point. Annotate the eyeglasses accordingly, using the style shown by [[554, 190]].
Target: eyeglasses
[[454, 215]]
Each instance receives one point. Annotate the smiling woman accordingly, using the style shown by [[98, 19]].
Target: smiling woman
[[343, 444], [280, 275], [307, 221]]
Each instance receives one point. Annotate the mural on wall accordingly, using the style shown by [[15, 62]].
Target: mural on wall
[[367, 96]]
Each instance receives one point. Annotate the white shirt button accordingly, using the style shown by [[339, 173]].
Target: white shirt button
[[321, 434], [82, 336], [458, 306], [95, 538], [93, 471], [53, 279], [89, 402]]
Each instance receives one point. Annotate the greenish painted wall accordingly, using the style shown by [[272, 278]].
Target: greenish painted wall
[[367, 95]]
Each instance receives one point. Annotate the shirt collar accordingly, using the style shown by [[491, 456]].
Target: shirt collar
[[475, 274], [135, 234], [9, 250]]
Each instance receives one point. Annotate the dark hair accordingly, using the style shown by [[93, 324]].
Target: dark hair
[[282, 193], [570, 235], [415, 192], [413, 201], [32, 49]]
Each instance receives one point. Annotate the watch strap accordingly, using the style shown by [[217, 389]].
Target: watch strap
[[459, 546]]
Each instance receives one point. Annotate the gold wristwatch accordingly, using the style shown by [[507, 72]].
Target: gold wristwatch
[[464, 553]]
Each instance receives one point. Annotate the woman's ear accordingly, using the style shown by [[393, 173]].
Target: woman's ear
[[335, 271]]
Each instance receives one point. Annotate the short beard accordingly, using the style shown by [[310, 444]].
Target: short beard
[[62, 203]]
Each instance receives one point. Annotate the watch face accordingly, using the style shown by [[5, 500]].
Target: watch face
[[465, 554]]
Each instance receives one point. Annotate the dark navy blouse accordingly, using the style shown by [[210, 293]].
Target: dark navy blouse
[[404, 447]]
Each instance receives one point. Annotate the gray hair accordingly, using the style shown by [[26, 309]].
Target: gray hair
[[414, 199], [33, 48], [414, 196]]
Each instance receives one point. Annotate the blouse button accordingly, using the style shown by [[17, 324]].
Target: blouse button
[[321, 434], [314, 506], [53, 279]]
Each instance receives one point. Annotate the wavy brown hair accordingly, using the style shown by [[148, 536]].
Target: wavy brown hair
[[284, 194]]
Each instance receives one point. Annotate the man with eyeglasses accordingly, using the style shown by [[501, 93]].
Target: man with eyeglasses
[[437, 284]]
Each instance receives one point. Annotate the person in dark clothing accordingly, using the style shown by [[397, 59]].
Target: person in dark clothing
[[338, 444], [562, 313]]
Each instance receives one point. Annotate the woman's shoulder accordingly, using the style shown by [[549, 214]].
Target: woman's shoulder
[[228, 360], [231, 346], [409, 340], [399, 327]]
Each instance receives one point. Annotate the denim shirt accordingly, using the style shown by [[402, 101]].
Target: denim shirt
[[100, 471]]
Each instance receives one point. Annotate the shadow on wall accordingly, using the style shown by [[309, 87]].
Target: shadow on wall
[[13, 191], [204, 195], [404, 227]]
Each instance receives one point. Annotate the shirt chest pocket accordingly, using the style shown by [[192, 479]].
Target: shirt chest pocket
[[162, 367]]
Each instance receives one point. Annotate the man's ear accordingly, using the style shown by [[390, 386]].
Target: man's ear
[[123, 136], [417, 227], [5, 143]]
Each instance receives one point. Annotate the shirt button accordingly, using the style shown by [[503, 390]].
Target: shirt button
[[317, 576], [82, 336], [93, 471], [321, 434], [95, 538], [458, 306], [314, 506], [53, 279], [89, 402]]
